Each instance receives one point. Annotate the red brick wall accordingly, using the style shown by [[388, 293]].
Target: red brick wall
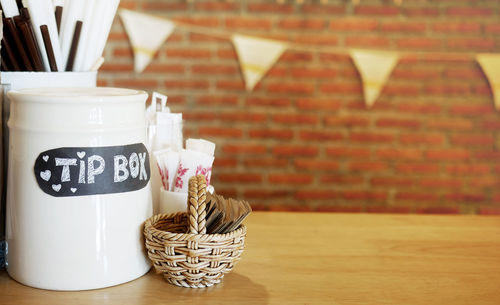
[[303, 140]]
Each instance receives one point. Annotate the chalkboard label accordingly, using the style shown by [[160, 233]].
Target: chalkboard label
[[79, 171]]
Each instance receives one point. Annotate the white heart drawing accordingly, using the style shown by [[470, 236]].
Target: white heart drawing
[[45, 158], [56, 187], [45, 175], [73, 189], [81, 154]]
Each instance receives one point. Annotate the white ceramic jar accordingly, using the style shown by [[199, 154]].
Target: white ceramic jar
[[21, 80], [78, 187]]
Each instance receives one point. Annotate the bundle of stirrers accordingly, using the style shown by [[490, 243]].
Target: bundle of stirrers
[[55, 35], [224, 215]]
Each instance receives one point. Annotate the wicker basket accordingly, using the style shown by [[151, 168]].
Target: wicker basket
[[193, 259]]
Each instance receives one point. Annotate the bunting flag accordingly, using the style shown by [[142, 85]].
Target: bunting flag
[[146, 34], [257, 56], [375, 68], [490, 63]]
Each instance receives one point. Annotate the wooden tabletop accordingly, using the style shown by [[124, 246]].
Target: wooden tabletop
[[306, 258]]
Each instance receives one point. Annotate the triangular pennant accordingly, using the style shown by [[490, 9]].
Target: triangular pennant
[[257, 56], [490, 63], [375, 68], [146, 33]]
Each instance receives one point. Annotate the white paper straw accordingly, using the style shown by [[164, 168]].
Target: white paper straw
[[72, 12], [84, 36], [98, 15], [97, 64], [58, 3], [9, 8], [104, 13], [42, 14]]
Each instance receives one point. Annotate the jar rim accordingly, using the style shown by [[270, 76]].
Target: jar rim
[[77, 94]]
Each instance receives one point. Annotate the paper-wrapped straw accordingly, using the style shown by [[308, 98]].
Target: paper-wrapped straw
[[151, 136], [153, 108], [163, 101], [168, 130], [201, 145]]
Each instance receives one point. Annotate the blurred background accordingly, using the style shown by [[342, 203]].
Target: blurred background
[[303, 139]]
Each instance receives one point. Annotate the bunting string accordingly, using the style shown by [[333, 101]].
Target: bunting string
[[258, 54], [302, 47]]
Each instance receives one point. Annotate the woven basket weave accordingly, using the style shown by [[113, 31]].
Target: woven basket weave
[[193, 259]]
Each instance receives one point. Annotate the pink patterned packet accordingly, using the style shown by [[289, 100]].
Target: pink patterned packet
[[168, 163], [192, 163]]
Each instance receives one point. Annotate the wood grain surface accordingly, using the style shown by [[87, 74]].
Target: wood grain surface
[[307, 258]]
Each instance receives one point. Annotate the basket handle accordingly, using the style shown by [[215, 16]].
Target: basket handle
[[197, 197]]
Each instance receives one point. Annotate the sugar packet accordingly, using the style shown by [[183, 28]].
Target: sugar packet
[[167, 162], [192, 163], [196, 159]]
